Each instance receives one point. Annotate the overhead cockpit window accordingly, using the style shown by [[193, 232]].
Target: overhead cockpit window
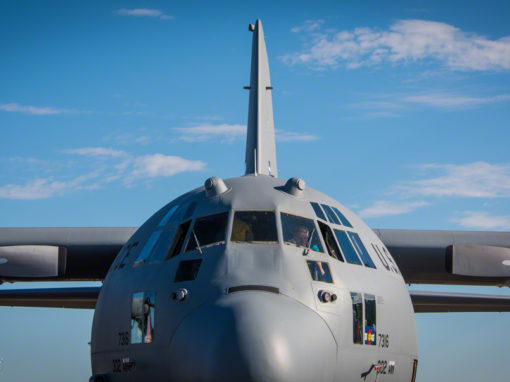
[[318, 211], [181, 212], [362, 251], [168, 216], [208, 230], [142, 317], [331, 215], [300, 232], [357, 318], [347, 248], [254, 227], [341, 216], [330, 241], [147, 248], [319, 270]]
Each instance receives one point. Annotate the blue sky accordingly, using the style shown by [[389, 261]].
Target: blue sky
[[109, 110]]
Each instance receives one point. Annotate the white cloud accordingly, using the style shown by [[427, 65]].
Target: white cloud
[[308, 26], [226, 132], [449, 100], [144, 12], [289, 136], [386, 208], [150, 166], [482, 220], [114, 166], [206, 132], [405, 41], [36, 189], [35, 110], [96, 152], [478, 180]]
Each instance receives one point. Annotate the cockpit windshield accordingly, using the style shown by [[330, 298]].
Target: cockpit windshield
[[208, 230], [254, 227], [300, 232]]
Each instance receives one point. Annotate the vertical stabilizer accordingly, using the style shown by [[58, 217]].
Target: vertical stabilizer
[[260, 141]]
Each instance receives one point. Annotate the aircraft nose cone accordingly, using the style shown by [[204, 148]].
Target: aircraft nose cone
[[252, 336]]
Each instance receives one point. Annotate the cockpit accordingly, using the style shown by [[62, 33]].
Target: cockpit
[[181, 230]]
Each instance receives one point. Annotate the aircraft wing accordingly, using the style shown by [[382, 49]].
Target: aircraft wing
[[441, 302], [59, 254], [450, 257], [80, 298]]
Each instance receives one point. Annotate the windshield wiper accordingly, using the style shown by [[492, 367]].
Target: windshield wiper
[[307, 249], [196, 240]]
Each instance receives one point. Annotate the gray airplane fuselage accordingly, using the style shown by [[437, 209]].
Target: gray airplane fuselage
[[252, 310]]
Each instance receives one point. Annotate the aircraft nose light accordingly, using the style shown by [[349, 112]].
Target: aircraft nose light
[[180, 294], [326, 296]]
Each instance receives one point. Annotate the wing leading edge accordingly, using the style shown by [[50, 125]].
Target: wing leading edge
[[440, 302], [450, 257], [59, 254], [78, 298]]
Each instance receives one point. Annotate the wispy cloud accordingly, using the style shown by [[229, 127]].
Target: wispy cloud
[[35, 189], [449, 100], [482, 220], [387, 208], [405, 41], [113, 166], [96, 152], [396, 104], [35, 110], [476, 180], [207, 131], [308, 26], [144, 12], [290, 136], [230, 132]]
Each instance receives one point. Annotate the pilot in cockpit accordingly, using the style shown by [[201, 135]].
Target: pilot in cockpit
[[301, 238]]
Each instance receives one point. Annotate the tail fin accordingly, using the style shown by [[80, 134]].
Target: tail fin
[[260, 141]]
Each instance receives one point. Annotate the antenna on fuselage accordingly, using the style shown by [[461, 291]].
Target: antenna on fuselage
[[260, 139]]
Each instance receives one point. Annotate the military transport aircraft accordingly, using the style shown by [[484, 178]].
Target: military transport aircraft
[[254, 278]]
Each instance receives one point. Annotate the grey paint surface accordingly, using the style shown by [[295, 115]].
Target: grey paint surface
[[253, 313], [260, 139]]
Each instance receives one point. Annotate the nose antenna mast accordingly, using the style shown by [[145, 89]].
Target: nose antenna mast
[[260, 140]]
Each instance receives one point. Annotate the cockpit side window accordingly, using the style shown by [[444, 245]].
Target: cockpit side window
[[142, 317], [178, 241], [357, 318], [254, 227], [362, 251], [330, 241], [300, 232], [341, 216], [347, 248], [147, 248], [331, 215], [318, 211], [208, 230]]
